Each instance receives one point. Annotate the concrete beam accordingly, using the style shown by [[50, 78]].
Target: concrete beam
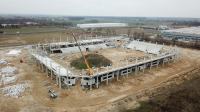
[[60, 83]]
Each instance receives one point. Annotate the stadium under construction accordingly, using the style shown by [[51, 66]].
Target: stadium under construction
[[135, 56]]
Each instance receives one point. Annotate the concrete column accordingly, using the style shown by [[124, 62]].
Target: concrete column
[[151, 62], [157, 63], [174, 59], [50, 47], [135, 69], [136, 60], [127, 73], [90, 84], [37, 64], [56, 79], [97, 82], [42, 67], [59, 78], [51, 75], [144, 66], [107, 80], [47, 69], [117, 75], [97, 70], [51, 71], [163, 62], [67, 82], [168, 60], [151, 65], [60, 85]]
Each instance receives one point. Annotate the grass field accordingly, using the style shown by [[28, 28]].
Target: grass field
[[8, 40], [33, 35], [33, 29]]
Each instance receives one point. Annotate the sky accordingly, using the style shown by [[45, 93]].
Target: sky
[[132, 8]]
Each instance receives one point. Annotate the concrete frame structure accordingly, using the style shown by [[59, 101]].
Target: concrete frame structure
[[126, 70], [93, 43], [65, 77]]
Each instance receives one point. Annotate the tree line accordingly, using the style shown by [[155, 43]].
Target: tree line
[[160, 40]]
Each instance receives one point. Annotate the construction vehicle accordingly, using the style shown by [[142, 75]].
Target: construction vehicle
[[52, 94], [89, 69]]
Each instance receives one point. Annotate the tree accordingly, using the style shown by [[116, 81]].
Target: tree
[[129, 32], [174, 41], [108, 32]]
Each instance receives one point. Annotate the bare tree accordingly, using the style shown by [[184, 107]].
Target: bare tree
[[129, 32]]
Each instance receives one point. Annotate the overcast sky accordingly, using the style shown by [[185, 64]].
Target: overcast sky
[[142, 8]]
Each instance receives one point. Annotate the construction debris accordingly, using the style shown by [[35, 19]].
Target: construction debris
[[15, 90], [8, 70], [7, 80], [14, 52], [3, 62]]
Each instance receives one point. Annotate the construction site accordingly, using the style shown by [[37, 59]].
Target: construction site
[[126, 56], [99, 56], [81, 73]]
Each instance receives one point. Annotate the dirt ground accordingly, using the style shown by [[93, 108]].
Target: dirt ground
[[36, 98], [118, 57]]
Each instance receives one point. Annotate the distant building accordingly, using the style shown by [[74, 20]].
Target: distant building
[[102, 25], [10, 25], [31, 23], [182, 34], [163, 27]]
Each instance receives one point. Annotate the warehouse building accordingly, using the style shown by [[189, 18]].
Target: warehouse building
[[102, 25], [182, 34]]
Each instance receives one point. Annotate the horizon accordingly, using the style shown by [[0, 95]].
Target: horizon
[[108, 8], [53, 15]]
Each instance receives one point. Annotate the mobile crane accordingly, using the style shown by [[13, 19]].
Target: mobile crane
[[89, 69]]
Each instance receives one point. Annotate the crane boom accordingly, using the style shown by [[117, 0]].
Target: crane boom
[[90, 71]]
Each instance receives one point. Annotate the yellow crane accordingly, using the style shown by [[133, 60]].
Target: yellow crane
[[89, 69]]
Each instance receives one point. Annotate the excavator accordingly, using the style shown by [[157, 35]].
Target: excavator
[[89, 69]]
